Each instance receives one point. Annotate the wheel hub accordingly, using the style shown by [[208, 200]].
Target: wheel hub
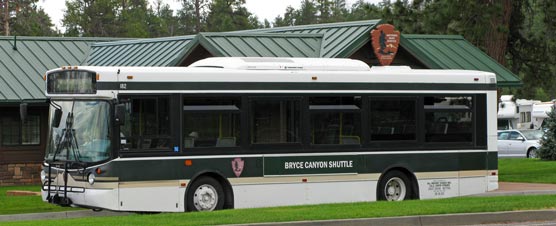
[[395, 189], [205, 198]]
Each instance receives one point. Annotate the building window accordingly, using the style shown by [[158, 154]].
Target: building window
[[211, 122], [15, 133], [275, 120]]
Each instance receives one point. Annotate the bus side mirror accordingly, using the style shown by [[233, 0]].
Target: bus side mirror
[[23, 112], [120, 112], [57, 118]]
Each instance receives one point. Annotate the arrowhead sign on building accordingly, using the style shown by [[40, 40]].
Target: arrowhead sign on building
[[385, 41]]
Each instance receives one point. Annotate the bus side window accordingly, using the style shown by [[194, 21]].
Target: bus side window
[[211, 122], [392, 118], [335, 120], [275, 120], [147, 125], [449, 119]]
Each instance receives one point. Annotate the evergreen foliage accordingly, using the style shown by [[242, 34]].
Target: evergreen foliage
[[520, 35], [24, 18], [547, 151]]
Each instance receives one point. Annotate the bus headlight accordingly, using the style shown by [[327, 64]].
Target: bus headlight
[[43, 176], [91, 178]]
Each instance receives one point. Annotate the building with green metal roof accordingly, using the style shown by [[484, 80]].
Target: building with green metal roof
[[334, 40], [23, 62], [25, 59]]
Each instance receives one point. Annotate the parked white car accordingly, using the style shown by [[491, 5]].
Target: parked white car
[[519, 143]]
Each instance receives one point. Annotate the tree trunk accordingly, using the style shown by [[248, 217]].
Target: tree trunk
[[496, 38], [6, 18], [198, 16]]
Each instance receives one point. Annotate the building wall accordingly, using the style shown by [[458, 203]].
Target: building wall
[[20, 174], [21, 164]]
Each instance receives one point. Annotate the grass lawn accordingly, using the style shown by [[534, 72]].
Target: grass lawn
[[526, 170], [25, 204], [510, 170], [321, 212]]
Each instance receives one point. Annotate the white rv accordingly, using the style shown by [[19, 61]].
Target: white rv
[[515, 114], [540, 113]]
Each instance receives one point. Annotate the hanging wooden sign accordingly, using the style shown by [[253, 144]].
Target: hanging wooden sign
[[385, 41]]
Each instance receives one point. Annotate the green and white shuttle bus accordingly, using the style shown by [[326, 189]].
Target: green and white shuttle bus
[[254, 132]]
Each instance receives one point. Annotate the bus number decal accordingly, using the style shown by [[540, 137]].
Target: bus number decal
[[123, 86]]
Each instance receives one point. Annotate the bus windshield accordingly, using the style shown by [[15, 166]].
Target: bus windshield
[[85, 137]]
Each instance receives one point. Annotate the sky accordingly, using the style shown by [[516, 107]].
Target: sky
[[264, 9]]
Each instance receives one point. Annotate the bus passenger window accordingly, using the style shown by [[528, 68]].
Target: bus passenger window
[[211, 121], [449, 119], [335, 120], [148, 123], [275, 121], [392, 119]]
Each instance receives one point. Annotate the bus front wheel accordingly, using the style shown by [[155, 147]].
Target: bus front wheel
[[394, 186], [205, 194]]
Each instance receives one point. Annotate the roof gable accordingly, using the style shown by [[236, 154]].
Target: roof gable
[[340, 39], [320, 40], [455, 52]]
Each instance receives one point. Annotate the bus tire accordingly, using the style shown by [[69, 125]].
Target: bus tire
[[205, 194], [394, 186]]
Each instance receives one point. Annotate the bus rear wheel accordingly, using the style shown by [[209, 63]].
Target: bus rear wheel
[[394, 186], [205, 194]]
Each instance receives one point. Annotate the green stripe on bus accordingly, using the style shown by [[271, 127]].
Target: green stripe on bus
[[173, 169], [287, 86]]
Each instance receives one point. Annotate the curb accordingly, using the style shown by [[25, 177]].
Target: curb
[[433, 220], [59, 215]]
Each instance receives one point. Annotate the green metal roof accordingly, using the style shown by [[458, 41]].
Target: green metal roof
[[143, 52], [454, 52], [336, 40], [340, 39], [24, 61], [320, 40], [261, 45]]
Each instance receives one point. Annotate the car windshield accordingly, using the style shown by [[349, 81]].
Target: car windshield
[[86, 137], [532, 134]]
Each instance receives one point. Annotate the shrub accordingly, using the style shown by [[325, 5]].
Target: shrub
[[548, 141]]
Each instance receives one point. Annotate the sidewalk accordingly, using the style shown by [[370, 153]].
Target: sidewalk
[[511, 188], [433, 220], [59, 215], [505, 188]]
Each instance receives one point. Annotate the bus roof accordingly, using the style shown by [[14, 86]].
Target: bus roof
[[281, 75], [280, 63]]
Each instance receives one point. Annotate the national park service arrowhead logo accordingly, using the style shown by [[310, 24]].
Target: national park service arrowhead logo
[[237, 166], [385, 41]]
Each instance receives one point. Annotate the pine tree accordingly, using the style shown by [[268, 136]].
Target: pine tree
[[548, 142]]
